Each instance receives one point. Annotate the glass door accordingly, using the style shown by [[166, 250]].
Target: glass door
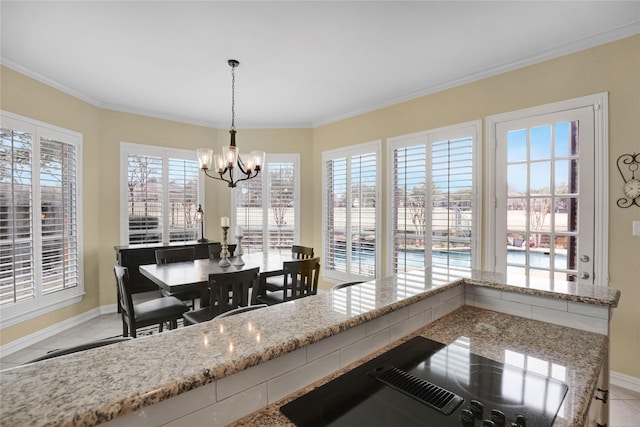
[[545, 195]]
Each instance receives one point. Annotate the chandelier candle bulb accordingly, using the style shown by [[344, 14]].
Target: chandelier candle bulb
[[224, 221]]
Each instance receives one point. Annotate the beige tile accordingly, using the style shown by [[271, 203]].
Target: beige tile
[[623, 414]]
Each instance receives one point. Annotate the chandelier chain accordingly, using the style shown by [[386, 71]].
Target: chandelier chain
[[233, 97]]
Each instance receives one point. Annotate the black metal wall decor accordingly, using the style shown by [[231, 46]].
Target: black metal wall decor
[[628, 165]]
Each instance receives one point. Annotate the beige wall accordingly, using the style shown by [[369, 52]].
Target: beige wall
[[103, 130], [612, 68]]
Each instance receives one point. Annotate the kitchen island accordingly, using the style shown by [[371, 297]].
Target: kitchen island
[[218, 372], [498, 336]]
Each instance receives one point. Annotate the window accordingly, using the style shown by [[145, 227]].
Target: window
[[434, 192], [351, 212], [549, 180], [160, 190], [267, 207], [40, 218]]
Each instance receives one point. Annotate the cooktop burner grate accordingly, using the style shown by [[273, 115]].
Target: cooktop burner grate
[[421, 390]]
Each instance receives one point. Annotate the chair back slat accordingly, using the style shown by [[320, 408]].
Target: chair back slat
[[301, 252], [169, 256], [231, 290], [301, 278]]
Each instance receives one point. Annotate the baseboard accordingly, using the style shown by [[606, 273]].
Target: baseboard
[[42, 334], [625, 381]]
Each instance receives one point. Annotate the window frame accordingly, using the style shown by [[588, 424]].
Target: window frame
[[129, 148], [330, 275], [18, 312], [264, 173], [600, 104], [427, 138]]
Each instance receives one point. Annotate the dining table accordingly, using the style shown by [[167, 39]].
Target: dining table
[[194, 275]]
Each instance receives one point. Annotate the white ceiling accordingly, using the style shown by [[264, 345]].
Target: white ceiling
[[302, 63]]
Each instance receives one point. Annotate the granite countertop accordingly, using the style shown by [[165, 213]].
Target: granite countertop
[[496, 335], [558, 289], [101, 384]]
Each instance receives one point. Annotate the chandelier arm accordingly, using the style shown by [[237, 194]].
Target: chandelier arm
[[248, 177], [241, 165], [220, 178]]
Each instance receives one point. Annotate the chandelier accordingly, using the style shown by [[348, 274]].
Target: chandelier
[[230, 166]]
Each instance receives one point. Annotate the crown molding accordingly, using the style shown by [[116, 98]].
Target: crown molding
[[560, 50], [555, 52]]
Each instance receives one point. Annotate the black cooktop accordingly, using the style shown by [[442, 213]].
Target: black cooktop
[[425, 383]]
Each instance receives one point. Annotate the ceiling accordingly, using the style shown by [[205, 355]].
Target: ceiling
[[302, 63]]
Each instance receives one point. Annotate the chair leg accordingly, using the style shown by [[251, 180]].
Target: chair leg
[[125, 328], [161, 325], [173, 324]]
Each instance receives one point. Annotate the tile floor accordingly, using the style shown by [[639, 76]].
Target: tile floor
[[624, 409]]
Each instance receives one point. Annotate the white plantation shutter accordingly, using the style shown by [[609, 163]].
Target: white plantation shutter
[[145, 197], [452, 202], [363, 215], [409, 209], [250, 213], [162, 191], [350, 209], [183, 200], [336, 215], [40, 218], [434, 192], [59, 215], [281, 213], [267, 208], [17, 268]]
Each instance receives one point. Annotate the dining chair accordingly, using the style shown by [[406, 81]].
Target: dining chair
[[145, 313], [216, 247], [169, 256], [344, 285], [300, 280], [276, 282], [227, 291], [80, 347]]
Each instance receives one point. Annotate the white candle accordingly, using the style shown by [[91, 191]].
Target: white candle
[[239, 231], [224, 221]]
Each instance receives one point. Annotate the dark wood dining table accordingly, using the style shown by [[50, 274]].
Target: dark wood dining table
[[190, 275]]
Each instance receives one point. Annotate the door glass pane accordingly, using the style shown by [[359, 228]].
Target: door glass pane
[[516, 215], [517, 179], [541, 143], [564, 215], [540, 178], [561, 177], [517, 146], [561, 245], [562, 139]]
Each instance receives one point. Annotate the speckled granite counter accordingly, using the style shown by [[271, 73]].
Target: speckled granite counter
[[102, 384], [495, 335]]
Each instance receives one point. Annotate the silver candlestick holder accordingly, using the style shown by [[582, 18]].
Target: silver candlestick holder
[[239, 252], [224, 250]]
